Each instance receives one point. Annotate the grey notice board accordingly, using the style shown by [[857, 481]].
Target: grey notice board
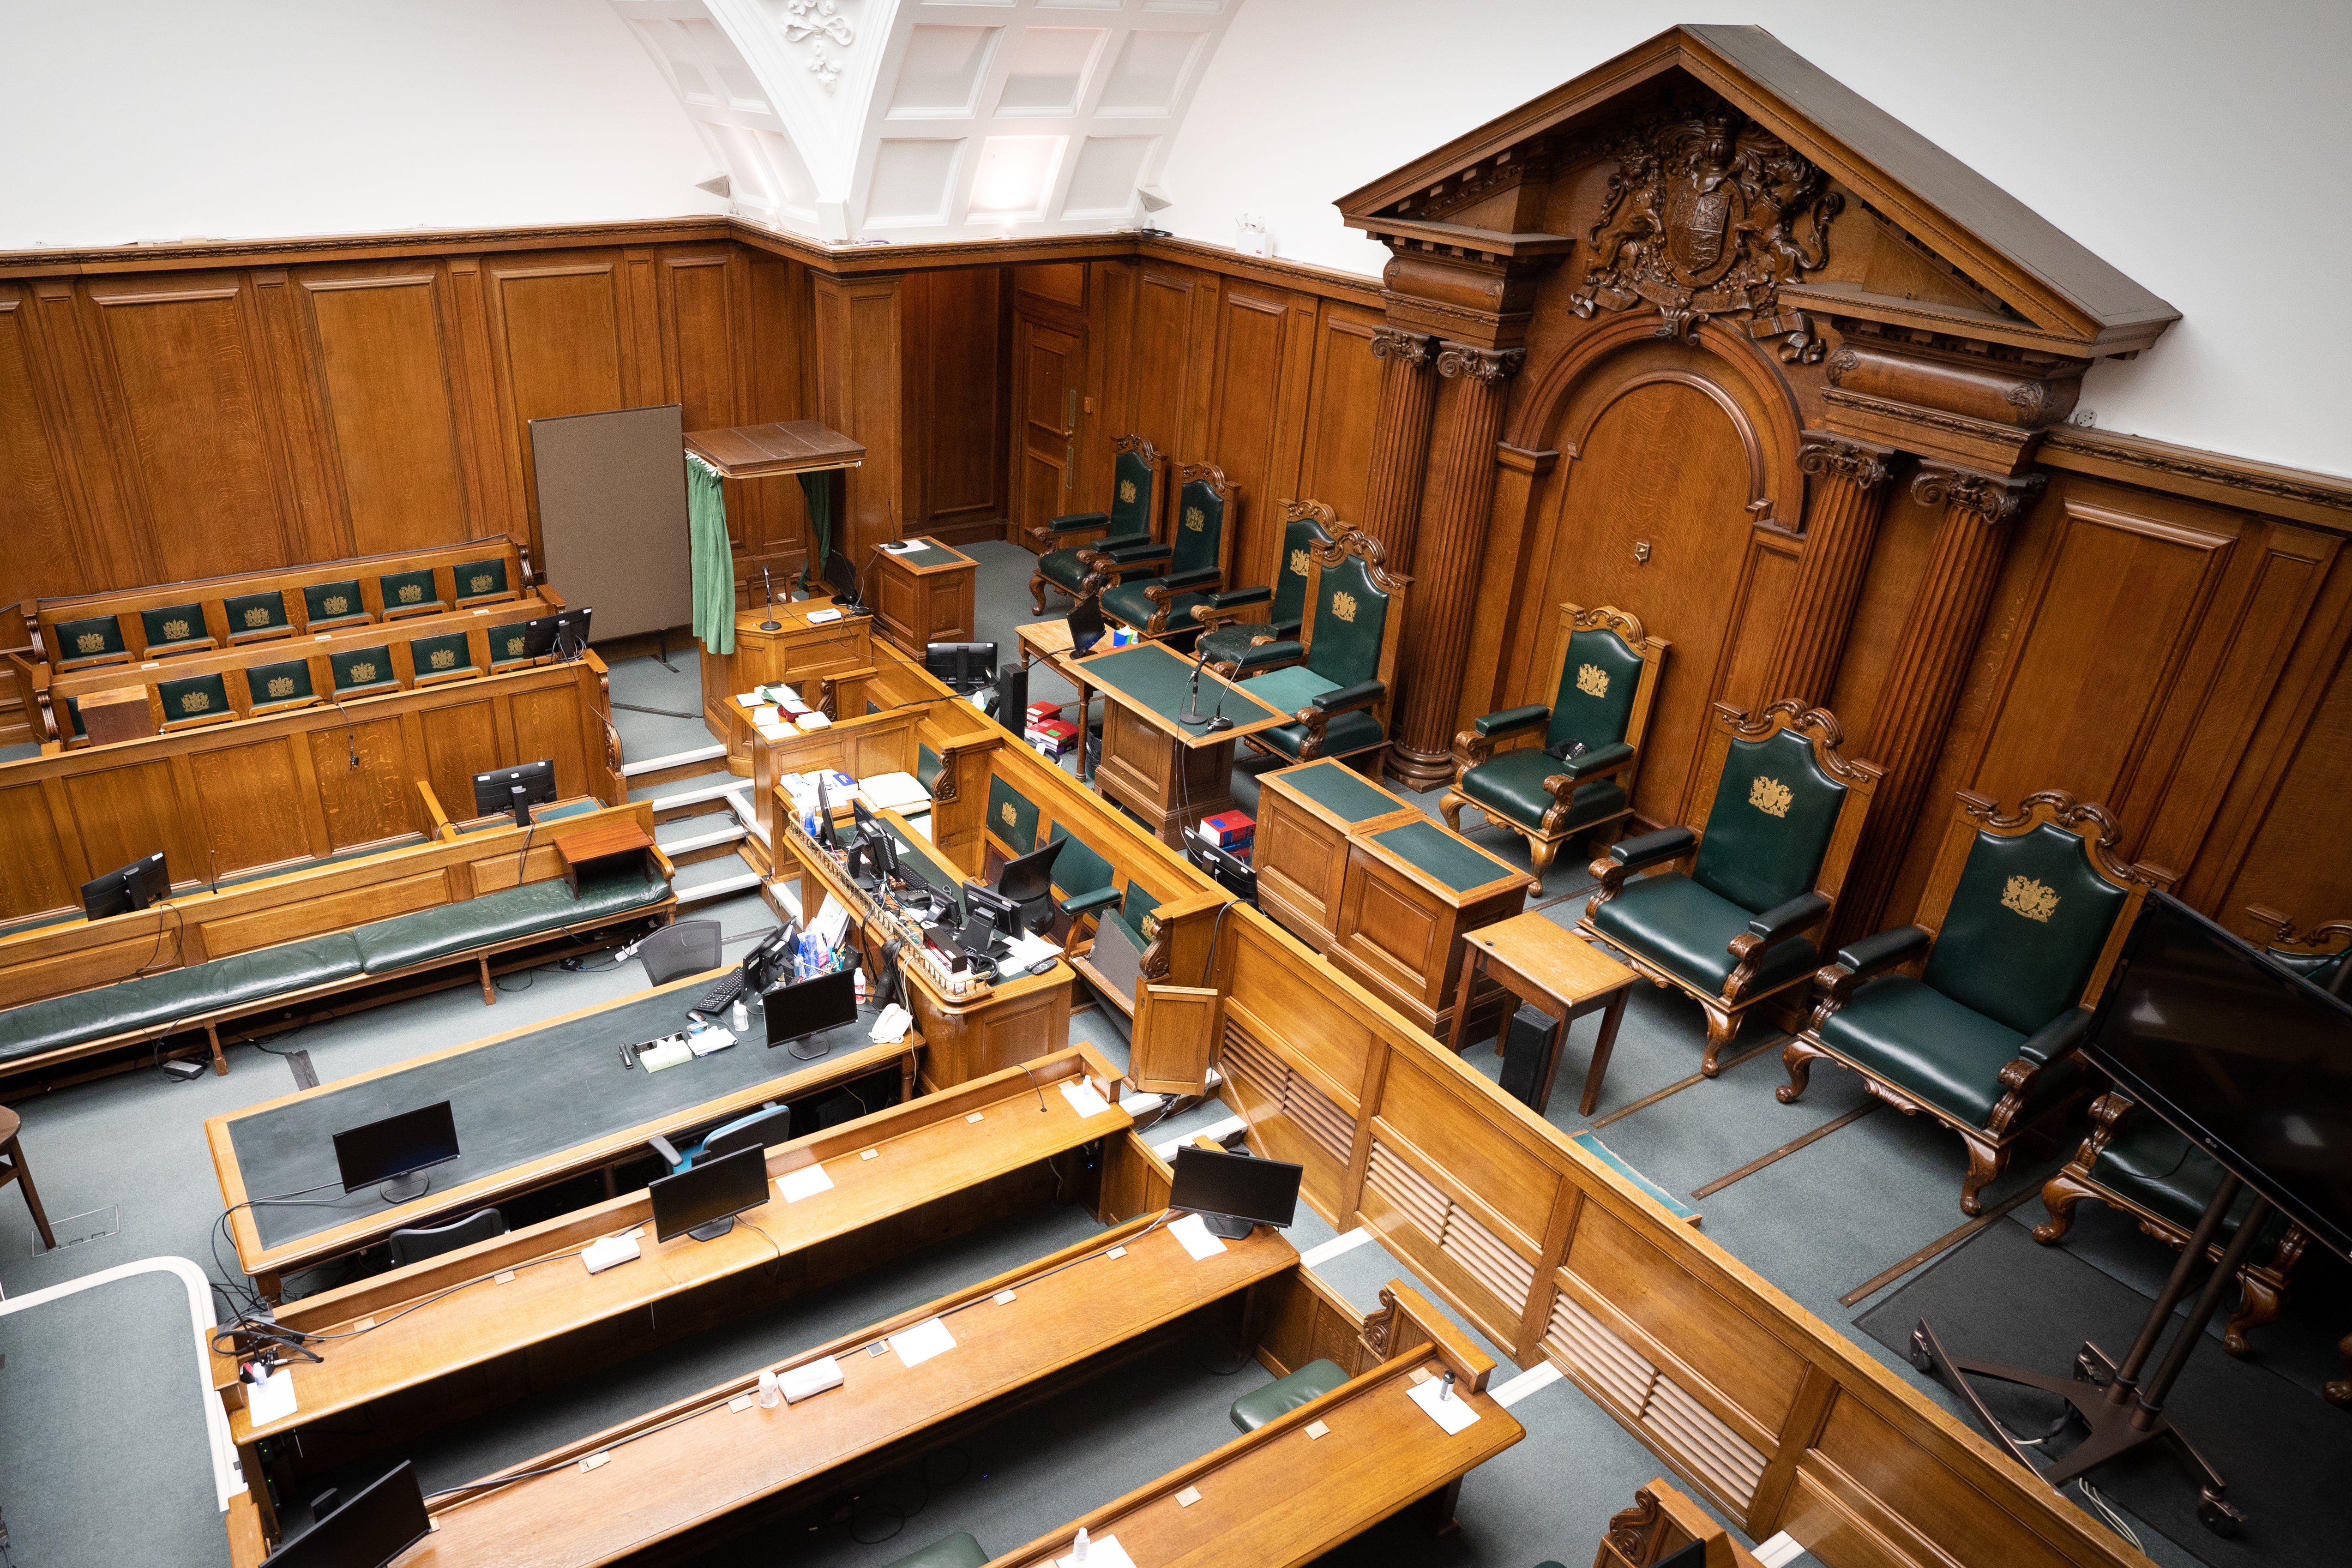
[[612, 516]]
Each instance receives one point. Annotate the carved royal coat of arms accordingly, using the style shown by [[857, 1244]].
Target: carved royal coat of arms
[[1592, 680]]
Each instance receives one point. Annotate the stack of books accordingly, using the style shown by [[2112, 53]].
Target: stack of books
[[1232, 832]]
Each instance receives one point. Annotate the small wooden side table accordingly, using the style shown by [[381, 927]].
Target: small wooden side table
[[1049, 641], [607, 843], [923, 594], [1541, 961]]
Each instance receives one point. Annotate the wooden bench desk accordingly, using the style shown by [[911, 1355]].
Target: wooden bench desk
[[921, 1151], [687, 1466], [1413, 892], [800, 653], [1307, 813]]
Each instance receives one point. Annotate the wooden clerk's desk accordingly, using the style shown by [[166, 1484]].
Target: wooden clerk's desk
[[986, 1028], [801, 655], [1166, 772], [922, 594]]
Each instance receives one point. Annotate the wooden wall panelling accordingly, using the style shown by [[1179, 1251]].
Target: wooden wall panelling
[[1104, 409], [557, 325], [248, 798], [319, 526], [34, 869], [956, 418], [860, 385], [1050, 353], [1906, 537], [1260, 368], [45, 553], [1343, 397]]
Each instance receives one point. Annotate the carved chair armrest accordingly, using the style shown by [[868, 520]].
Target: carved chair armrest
[[1864, 960], [1080, 905], [1077, 523], [2056, 1039], [1160, 589], [1629, 855], [1325, 706], [1136, 553], [1510, 720], [1600, 761], [1781, 923], [1240, 598]]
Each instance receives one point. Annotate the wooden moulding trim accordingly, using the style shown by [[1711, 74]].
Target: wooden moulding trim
[[2300, 493]]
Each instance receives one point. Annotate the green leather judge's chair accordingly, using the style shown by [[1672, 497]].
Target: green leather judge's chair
[[1337, 679], [1194, 564], [1972, 1014], [1727, 915], [1136, 472], [1305, 525], [1604, 677]]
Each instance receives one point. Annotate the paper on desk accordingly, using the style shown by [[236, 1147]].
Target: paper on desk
[[710, 1040], [750, 699], [832, 923], [893, 792], [667, 1055], [1083, 1099], [766, 714], [925, 1340], [1193, 1232], [272, 1401], [1452, 1413], [1102, 1551], [805, 1182], [775, 732], [1027, 951]]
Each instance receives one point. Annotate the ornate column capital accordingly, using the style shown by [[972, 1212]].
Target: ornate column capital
[[1409, 349], [1994, 500], [1492, 366], [1858, 463]]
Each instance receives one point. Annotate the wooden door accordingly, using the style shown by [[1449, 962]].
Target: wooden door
[[1050, 365]]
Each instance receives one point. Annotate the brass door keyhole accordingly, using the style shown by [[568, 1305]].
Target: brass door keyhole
[[1641, 553]]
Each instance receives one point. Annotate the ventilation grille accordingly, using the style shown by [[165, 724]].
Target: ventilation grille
[[1457, 1232], [1317, 1114], [1718, 1455]]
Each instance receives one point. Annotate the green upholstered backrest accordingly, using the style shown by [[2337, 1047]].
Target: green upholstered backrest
[[1131, 501], [194, 697], [279, 682], [73, 717], [401, 589], [2319, 969], [476, 578], [88, 639], [510, 641], [927, 764], [1595, 700], [1771, 819], [1300, 535], [2024, 926], [1077, 869], [173, 623], [1133, 906], [1349, 614], [255, 612], [332, 600], [360, 666], [1200, 525], [439, 654], [1012, 816]]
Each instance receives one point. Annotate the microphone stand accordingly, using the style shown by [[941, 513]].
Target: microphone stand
[[1192, 714], [771, 623]]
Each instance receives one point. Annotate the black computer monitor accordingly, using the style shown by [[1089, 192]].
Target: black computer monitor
[[810, 1008], [841, 576], [986, 905], [882, 851], [1232, 872], [538, 637], [824, 812], [962, 665], [1232, 1193], [515, 789], [703, 1200], [1086, 624], [1028, 881], [570, 639], [368, 1530], [126, 888], [395, 1152]]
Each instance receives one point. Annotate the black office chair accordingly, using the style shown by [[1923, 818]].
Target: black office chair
[[430, 1241], [764, 1128], [682, 947]]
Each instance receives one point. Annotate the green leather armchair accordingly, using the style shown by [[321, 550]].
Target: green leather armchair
[[2135, 1165], [1194, 563], [1136, 470], [1604, 681], [1337, 679], [1973, 1013], [1305, 525], [1727, 915]]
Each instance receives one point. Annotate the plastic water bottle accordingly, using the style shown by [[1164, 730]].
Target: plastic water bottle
[[743, 1016], [771, 1393]]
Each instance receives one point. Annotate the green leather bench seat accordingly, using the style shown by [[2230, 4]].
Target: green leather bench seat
[[1292, 689], [429, 933], [1284, 1394], [1680, 925], [1511, 784], [161, 1000], [2161, 1171], [957, 1551], [1921, 1040]]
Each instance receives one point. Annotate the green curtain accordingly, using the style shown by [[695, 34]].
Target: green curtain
[[818, 488], [713, 562]]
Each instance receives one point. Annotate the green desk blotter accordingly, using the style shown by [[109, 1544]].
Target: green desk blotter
[[1429, 848], [1342, 791], [928, 556], [1161, 681]]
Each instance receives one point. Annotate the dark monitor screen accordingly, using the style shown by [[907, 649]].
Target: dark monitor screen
[[1232, 872], [370, 1528], [495, 791], [841, 576], [570, 637], [961, 664], [538, 637], [812, 1007], [1086, 624], [126, 888], [708, 1190], [1027, 878], [1263, 1191], [379, 1151], [2249, 1061], [987, 904]]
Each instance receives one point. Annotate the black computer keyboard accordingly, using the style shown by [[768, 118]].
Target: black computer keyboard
[[722, 995]]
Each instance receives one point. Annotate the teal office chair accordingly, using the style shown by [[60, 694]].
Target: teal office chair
[[1136, 468], [764, 1128]]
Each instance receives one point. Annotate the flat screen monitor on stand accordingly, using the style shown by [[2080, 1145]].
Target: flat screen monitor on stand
[[515, 789], [960, 666], [2252, 1065], [1234, 1194], [367, 1530], [703, 1200], [393, 1154], [841, 576], [571, 638], [1027, 881], [126, 888], [811, 1007]]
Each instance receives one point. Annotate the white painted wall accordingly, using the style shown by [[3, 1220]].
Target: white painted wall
[[2197, 146], [242, 118]]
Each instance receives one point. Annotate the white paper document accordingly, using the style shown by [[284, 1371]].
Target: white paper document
[[925, 1340], [815, 1377], [1452, 1413], [1102, 1551], [1082, 1098], [1026, 951], [272, 1401], [805, 1182], [705, 1041], [893, 792], [1193, 1232]]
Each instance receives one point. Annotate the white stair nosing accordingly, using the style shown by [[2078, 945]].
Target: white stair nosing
[[702, 841], [1346, 1242], [1543, 1374], [741, 805], [675, 760], [706, 793], [719, 887]]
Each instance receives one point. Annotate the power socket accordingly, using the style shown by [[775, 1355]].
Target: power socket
[[181, 1070]]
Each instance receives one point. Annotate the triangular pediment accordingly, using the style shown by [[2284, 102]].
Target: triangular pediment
[[1923, 241]]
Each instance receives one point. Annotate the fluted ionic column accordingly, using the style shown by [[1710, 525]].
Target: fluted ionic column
[[1849, 493], [1446, 558], [1923, 680], [1400, 441]]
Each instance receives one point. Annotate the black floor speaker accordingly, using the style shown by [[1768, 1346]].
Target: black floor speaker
[[1013, 697], [1527, 1044]]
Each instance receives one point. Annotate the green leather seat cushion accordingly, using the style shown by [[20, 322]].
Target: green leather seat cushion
[[1228, 644], [2161, 1171], [161, 1000], [1062, 567], [1129, 602], [1343, 736], [1681, 926], [1511, 785], [1078, 869], [1290, 689], [431, 934], [957, 1551], [1284, 1394], [1927, 1044]]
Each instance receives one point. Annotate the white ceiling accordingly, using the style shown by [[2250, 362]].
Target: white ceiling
[[930, 119]]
